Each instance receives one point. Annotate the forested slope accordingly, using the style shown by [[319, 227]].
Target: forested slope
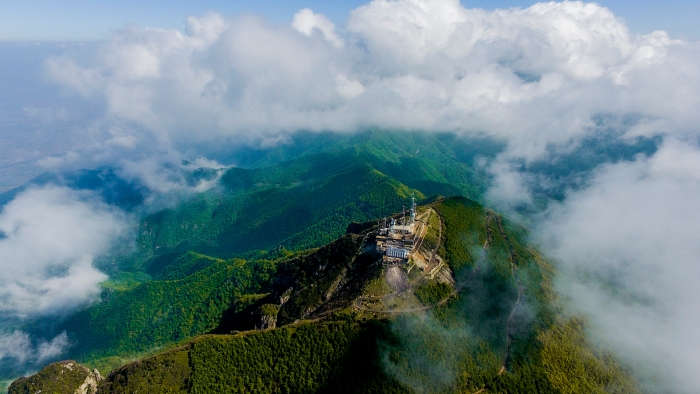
[[265, 248], [500, 332], [308, 201]]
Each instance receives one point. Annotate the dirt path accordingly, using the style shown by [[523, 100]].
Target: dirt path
[[397, 279], [425, 231], [489, 233]]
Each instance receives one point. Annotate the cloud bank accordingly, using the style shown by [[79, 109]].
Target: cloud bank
[[49, 237], [534, 77], [629, 246]]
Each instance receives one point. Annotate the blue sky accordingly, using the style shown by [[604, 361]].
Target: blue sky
[[28, 20]]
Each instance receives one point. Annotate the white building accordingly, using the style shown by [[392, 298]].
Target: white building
[[398, 253]]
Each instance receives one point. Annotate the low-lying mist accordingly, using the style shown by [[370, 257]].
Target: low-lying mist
[[50, 236], [627, 247]]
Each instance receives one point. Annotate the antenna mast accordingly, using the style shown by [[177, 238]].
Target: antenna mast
[[413, 208]]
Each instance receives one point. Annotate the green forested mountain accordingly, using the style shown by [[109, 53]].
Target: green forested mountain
[[496, 329], [189, 250], [296, 212], [270, 282], [304, 202]]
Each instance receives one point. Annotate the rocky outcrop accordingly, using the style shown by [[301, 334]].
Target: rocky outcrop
[[64, 377], [285, 296], [91, 383], [265, 317]]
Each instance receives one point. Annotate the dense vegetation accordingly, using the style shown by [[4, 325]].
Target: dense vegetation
[[304, 285], [333, 357], [573, 366], [326, 357], [431, 293], [222, 260], [168, 372], [433, 163], [161, 312], [310, 277], [308, 201], [222, 296], [480, 340], [465, 232], [489, 337], [297, 214]]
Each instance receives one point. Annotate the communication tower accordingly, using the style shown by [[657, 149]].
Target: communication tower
[[413, 209]]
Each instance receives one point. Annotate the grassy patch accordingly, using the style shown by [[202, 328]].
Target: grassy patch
[[433, 292], [124, 281]]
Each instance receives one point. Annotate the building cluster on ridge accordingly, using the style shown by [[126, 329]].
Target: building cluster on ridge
[[396, 238]]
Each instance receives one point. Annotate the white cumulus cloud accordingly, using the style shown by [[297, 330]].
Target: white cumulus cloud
[[533, 76], [306, 21], [50, 236]]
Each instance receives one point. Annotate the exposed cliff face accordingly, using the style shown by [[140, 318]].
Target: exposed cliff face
[[265, 317], [91, 383], [64, 377], [307, 286], [328, 279]]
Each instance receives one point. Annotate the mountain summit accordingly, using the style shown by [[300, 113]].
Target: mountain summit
[[471, 303]]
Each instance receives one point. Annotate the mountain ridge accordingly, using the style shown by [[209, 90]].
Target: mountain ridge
[[475, 323], [214, 263]]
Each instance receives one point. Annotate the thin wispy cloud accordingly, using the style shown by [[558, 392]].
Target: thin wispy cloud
[[19, 347]]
